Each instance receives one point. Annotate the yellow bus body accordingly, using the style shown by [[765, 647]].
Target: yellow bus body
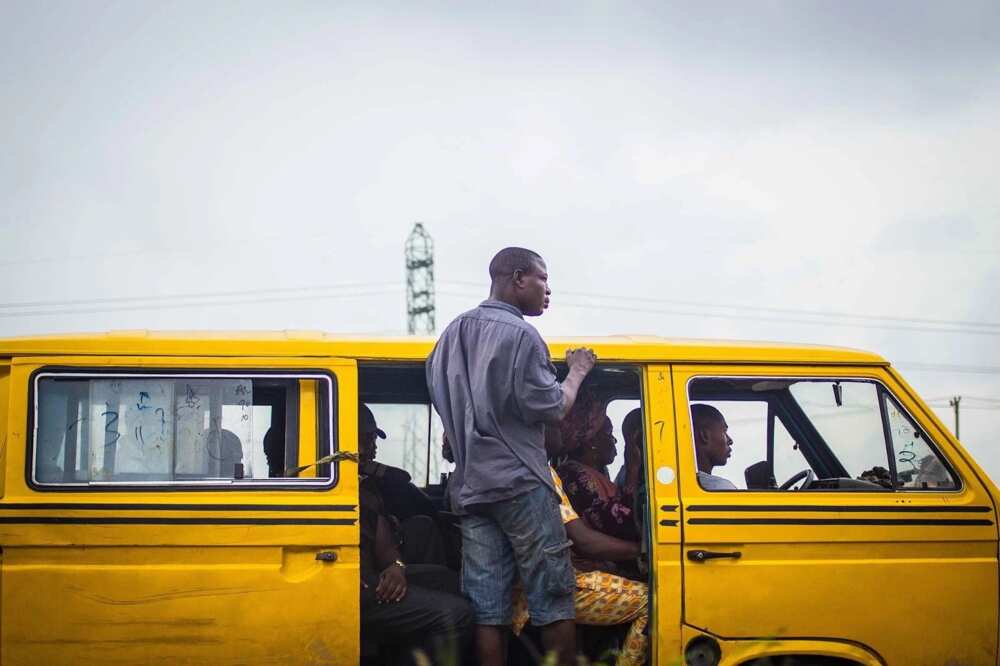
[[161, 575]]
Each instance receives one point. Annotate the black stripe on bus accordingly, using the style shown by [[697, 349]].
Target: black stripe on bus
[[837, 521], [668, 507], [801, 508], [669, 523], [68, 520], [66, 506]]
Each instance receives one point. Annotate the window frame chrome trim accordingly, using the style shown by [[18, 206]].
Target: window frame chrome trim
[[318, 374]]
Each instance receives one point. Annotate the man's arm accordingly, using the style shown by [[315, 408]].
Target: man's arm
[[596, 545], [580, 362], [538, 395], [391, 580], [384, 472]]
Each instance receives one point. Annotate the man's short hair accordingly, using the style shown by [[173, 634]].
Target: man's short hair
[[632, 422], [703, 415], [512, 259]]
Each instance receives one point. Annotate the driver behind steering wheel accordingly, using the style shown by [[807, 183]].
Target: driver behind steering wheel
[[712, 445]]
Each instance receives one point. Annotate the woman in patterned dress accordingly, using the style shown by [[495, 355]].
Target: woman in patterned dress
[[590, 446]]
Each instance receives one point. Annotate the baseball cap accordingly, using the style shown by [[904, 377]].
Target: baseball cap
[[366, 421]]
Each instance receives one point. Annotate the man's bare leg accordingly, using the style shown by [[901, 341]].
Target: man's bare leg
[[560, 637], [491, 644]]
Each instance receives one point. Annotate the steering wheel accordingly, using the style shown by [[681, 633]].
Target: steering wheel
[[806, 474]]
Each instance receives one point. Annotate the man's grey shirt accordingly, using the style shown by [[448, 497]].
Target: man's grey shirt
[[492, 383]]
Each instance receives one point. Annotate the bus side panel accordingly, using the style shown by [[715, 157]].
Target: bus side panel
[[161, 575], [179, 604]]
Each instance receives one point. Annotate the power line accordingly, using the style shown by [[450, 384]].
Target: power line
[[755, 308], [978, 399], [198, 304], [195, 295], [259, 242], [785, 320], [964, 406]]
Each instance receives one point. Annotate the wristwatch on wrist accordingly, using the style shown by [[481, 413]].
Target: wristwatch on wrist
[[400, 564]]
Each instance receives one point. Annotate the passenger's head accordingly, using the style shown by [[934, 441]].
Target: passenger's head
[[586, 431], [599, 450], [712, 443], [632, 428], [519, 277], [583, 419], [368, 431]]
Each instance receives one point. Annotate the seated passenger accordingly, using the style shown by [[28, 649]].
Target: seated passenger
[[410, 512], [602, 599], [406, 607], [274, 445], [712, 446], [631, 479], [588, 440], [630, 476], [225, 450]]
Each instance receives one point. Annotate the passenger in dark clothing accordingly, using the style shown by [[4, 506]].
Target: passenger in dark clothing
[[411, 514], [407, 607]]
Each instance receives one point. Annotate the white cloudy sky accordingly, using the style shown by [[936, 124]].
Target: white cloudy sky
[[714, 159]]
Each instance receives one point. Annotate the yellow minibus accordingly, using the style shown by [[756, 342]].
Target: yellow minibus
[[146, 515]]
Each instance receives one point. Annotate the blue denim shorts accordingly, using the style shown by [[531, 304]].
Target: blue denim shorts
[[521, 536]]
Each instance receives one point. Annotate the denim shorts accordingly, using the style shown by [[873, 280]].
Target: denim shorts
[[521, 536]]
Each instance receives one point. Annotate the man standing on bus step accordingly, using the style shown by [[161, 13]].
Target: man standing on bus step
[[492, 383]]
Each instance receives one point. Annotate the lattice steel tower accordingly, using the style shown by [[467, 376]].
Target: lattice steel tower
[[419, 281]]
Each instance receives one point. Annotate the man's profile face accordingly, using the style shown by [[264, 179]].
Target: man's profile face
[[367, 448], [717, 444], [533, 288]]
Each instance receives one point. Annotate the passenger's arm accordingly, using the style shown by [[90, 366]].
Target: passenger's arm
[[580, 362], [391, 580], [610, 515], [596, 545], [384, 472]]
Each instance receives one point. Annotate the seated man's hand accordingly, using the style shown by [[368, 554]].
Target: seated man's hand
[[391, 584]]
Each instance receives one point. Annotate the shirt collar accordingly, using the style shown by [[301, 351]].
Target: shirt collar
[[500, 305]]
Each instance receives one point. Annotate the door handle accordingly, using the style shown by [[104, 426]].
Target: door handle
[[326, 556], [704, 555]]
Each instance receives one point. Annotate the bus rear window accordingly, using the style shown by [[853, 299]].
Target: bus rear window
[[179, 429]]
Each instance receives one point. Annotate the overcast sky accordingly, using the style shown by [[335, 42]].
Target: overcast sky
[[701, 169]]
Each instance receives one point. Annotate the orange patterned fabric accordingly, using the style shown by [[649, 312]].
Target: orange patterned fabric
[[601, 599], [565, 508], [605, 599]]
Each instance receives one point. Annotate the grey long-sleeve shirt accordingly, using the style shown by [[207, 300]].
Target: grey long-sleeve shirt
[[492, 383]]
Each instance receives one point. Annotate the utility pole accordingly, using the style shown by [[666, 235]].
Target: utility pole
[[419, 252], [954, 403], [419, 281]]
